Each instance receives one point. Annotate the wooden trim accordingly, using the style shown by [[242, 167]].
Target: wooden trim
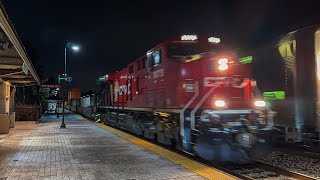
[[14, 39]]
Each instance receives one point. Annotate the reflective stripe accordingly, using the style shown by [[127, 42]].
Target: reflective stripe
[[193, 118], [196, 94]]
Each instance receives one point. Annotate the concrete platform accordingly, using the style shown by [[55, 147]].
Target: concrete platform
[[86, 151]]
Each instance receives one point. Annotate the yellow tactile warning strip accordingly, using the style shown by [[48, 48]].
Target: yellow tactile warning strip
[[196, 167]]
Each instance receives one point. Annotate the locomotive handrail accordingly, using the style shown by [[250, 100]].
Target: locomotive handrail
[[196, 94]]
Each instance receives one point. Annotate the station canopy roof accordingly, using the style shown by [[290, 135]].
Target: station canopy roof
[[15, 65]]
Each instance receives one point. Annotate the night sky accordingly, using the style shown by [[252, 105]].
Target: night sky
[[113, 33]]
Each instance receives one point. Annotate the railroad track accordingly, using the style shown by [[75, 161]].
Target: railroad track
[[255, 170], [259, 170], [284, 172], [297, 152]]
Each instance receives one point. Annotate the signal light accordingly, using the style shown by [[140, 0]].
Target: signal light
[[223, 64], [220, 103]]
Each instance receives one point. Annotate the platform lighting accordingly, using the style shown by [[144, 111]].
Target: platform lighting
[[220, 103], [189, 37], [260, 103], [214, 40], [75, 48]]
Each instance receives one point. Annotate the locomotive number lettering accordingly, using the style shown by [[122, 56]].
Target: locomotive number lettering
[[158, 73], [234, 82]]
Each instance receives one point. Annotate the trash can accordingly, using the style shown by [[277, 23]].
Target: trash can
[[4, 123], [12, 117]]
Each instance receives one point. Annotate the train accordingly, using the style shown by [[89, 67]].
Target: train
[[194, 94]]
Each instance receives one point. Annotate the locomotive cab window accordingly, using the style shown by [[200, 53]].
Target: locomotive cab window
[[130, 69], [154, 58]]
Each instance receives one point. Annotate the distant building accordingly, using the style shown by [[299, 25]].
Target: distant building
[[74, 95]]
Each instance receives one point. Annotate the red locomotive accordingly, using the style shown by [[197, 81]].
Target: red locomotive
[[191, 93]]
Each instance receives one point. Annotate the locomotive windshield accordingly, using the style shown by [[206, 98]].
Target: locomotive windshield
[[188, 49]]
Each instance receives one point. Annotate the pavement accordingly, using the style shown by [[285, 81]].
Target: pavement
[[81, 151]]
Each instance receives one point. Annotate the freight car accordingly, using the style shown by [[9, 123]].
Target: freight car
[[192, 93]]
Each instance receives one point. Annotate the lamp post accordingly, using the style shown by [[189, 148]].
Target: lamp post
[[76, 49]]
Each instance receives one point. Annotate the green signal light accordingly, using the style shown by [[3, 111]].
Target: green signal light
[[274, 95], [246, 60]]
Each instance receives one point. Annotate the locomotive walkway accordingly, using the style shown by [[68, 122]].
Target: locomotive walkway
[[83, 151]]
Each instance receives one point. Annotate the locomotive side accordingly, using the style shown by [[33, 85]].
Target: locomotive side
[[191, 93]]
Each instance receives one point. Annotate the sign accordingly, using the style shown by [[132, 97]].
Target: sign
[[68, 79], [25, 68], [275, 95], [246, 60], [50, 86]]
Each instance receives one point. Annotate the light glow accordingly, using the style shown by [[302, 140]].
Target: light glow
[[214, 40], [75, 48], [260, 103], [223, 64], [223, 61], [189, 37], [220, 103], [223, 67]]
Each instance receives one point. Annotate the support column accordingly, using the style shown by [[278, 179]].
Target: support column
[[4, 107], [4, 97]]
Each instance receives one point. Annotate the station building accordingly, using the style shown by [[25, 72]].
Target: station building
[[16, 70]]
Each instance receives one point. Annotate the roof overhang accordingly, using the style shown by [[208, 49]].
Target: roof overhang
[[15, 65]]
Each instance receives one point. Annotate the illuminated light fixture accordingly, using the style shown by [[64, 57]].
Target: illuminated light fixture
[[75, 48], [260, 103], [137, 92], [246, 60], [220, 103], [223, 64], [223, 67], [214, 40], [223, 61], [189, 37]]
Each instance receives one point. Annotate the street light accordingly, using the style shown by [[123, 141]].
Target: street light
[[75, 48]]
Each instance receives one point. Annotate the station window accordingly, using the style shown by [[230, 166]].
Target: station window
[[130, 69]]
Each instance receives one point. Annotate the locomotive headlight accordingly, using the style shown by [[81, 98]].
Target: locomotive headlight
[[223, 67], [220, 103], [223, 64], [260, 103], [223, 61]]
